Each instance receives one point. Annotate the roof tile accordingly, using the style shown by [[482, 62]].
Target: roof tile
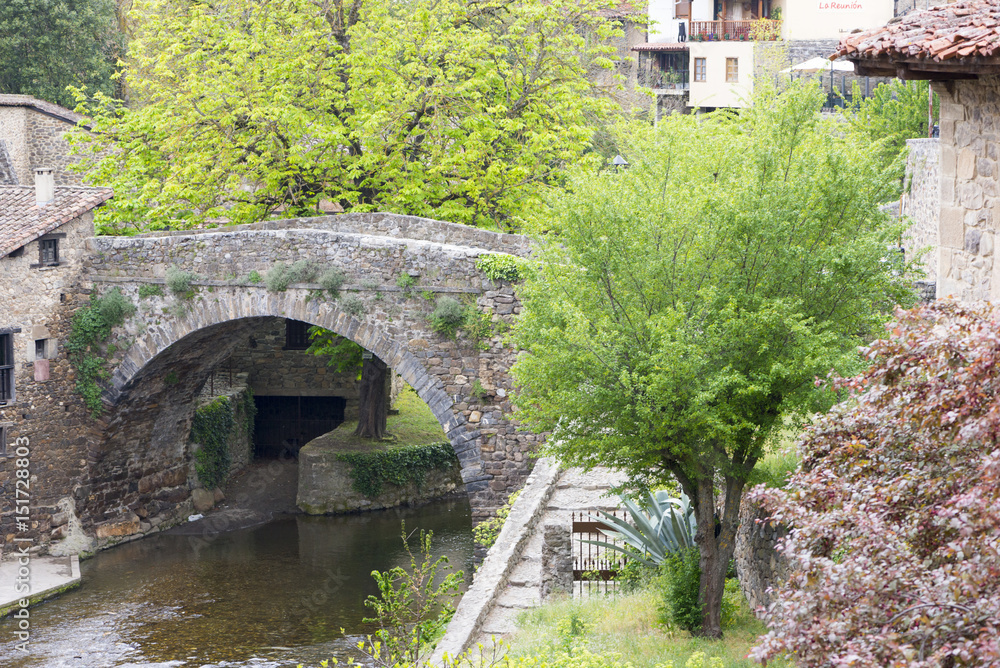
[[23, 221]]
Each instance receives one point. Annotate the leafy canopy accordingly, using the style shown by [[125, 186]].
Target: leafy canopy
[[47, 45], [896, 507], [462, 111], [681, 306]]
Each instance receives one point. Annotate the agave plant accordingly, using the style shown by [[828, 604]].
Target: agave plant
[[662, 525]]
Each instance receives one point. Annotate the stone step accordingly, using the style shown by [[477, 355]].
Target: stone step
[[519, 598]]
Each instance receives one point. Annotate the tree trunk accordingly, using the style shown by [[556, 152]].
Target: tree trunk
[[715, 551], [372, 403]]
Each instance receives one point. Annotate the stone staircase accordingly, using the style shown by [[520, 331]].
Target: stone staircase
[[575, 492]]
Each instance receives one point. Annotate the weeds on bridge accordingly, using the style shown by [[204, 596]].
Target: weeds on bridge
[[90, 329]]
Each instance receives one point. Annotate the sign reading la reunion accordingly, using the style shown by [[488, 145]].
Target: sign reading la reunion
[[841, 6]]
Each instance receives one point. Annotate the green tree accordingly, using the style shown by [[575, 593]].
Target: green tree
[[467, 112], [47, 45], [896, 111], [683, 308]]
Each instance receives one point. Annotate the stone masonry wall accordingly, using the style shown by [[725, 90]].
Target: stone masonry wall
[[758, 564], [48, 148], [922, 202], [970, 194], [40, 302], [36, 140]]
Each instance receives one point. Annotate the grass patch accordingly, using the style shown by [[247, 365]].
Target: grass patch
[[414, 425], [628, 625]]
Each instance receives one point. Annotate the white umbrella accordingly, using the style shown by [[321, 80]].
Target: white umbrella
[[819, 64]]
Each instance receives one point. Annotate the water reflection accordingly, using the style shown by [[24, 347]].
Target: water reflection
[[273, 595]]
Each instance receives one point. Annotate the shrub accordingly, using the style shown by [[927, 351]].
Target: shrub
[[278, 278], [447, 317], [681, 574], [150, 290], [179, 282], [500, 267], [405, 281], [254, 277], [353, 305], [91, 327], [486, 532], [304, 271], [663, 525], [896, 505], [332, 280]]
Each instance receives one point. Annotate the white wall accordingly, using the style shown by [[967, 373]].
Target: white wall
[[831, 19], [715, 91]]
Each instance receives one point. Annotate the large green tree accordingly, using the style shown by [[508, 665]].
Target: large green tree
[[682, 308], [244, 109], [47, 45]]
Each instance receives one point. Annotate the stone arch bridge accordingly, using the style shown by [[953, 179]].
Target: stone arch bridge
[[173, 342]]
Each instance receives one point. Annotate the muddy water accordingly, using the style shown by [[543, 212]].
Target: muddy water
[[273, 595]]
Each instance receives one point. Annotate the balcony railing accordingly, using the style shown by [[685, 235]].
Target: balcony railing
[[766, 29], [665, 80]]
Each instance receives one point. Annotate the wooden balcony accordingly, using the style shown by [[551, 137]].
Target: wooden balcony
[[744, 31]]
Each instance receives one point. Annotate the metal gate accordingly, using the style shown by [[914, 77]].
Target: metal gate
[[595, 567]]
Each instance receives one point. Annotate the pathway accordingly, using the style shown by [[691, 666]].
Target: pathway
[[47, 577]]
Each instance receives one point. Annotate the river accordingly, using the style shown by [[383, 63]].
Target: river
[[271, 596]]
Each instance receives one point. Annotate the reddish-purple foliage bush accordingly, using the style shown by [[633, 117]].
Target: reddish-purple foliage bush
[[895, 509]]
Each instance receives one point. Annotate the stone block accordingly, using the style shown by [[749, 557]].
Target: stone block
[[949, 161], [952, 111], [966, 167], [951, 227], [116, 529], [203, 499], [972, 238]]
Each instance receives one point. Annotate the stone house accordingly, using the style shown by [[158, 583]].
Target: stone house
[[957, 48], [32, 135], [42, 233]]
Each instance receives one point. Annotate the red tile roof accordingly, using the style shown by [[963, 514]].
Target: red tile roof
[[23, 221], [962, 30]]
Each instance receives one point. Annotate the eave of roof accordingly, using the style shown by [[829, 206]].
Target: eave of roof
[[22, 220], [47, 108], [956, 41], [661, 46]]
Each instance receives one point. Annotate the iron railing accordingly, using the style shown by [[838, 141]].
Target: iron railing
[[761, 29]]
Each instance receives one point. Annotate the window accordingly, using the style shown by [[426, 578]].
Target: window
[[48, 251], [296, 335], [732, 70], [699, 69], [3, 438], [682, 9], [41, 348], [6, 369]]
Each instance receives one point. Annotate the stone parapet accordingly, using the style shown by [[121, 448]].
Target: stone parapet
[[921, 203]]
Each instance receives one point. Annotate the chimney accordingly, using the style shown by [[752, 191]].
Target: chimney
[[45, 186]]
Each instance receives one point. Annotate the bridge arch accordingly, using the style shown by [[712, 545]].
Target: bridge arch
[[465, 383]]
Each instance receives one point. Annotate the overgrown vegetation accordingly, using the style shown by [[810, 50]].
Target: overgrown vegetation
[[212, 428], [486, 533], [448, 316], [371, 470], [332, 280], [281, 275], [90, 329], [413, 606], [179, 282], [353, 305], [406, 283], [150, 290], [499, 267]]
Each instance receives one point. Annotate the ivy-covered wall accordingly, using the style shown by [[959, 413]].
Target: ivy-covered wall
[[334, 481], [222, 436]]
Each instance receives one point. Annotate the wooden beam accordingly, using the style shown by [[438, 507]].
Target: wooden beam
[[908, 74]]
